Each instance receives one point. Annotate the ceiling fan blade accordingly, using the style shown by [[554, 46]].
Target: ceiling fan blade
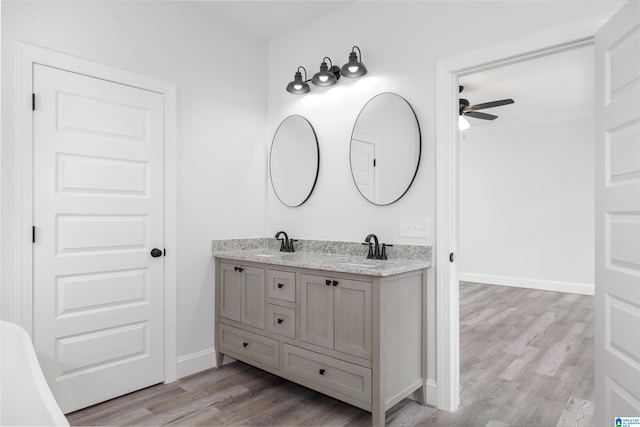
[[490, 104], [478, 115]]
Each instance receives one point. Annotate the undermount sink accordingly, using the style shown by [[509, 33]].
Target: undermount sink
[[356, 265]]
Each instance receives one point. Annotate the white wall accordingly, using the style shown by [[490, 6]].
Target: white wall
[[401, 43], [526, 204], [221, 124]]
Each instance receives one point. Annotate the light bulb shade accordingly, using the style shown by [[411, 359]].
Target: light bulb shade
[[298, 86], [354, 68], [463, 124], [325, 77]]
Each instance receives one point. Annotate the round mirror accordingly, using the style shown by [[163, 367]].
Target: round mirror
[[294, 161], [385, 149]]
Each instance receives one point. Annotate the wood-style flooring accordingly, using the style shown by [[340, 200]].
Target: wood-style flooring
[[526, 360]]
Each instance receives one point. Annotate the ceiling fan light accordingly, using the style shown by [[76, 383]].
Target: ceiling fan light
[[463, 124]]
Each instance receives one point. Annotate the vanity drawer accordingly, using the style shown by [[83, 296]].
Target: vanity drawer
[[281, 320], [334, 374], [282, 285], [255, 347]]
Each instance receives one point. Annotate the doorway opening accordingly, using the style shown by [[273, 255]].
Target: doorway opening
[[526, 224], [448, 73], [526, 192]]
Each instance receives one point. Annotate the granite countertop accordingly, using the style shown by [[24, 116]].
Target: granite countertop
[[342, 260]]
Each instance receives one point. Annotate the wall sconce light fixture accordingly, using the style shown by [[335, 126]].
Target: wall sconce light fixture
[[354, 68], [326, 76], [298, 85]]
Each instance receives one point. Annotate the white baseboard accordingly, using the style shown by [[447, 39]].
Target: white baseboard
[[196, 362], [522, 282]]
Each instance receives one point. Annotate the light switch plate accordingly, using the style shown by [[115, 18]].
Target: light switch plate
[[414, 227]]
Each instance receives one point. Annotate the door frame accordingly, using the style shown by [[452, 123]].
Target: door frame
[[26, 56], [448, 71]]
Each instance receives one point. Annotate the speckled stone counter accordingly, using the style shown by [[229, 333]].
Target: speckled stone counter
[[344, 257]]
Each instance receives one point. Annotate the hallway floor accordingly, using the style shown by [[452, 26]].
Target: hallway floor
[[526, 360]]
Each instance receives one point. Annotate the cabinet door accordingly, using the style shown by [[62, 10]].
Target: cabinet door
[[352, 306], [230, 290], [253, 297], [316, 311]]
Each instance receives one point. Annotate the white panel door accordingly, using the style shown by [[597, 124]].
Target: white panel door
[[618, 217], [98, 211]]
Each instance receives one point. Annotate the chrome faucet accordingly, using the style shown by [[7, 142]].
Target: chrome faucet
[[286, 244], [374, 248]]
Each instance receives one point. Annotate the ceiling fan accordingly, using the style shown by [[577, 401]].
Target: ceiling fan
[[466, 109]]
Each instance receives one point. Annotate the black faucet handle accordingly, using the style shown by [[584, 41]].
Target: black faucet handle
[[282, 247], [383, 255], [291, 248]]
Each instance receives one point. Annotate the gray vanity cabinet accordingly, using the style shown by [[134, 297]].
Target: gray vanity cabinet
[[336, 314], [359, 338]]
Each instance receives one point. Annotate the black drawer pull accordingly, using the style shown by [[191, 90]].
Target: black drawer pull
[[244, 344], [327, 282], [280, 286], [321, 371], [280, 321], [240, 269], [335, 283]]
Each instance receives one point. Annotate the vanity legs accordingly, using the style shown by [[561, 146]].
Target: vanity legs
[[378, 416], [219, 359]]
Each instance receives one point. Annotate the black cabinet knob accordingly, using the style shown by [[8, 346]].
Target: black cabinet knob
[[280, 321], [155, 252], [244, 344], [238, 269], [334, 283], [280, 285], [327, 282], [321, 371]]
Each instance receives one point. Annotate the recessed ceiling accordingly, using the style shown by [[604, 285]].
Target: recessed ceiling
[[267, 19], [560, 84]]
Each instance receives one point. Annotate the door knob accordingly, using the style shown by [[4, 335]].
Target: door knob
[[155, 252]]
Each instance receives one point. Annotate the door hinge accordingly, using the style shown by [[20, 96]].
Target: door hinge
[[33, 234], [33, 102], [451, 257]]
